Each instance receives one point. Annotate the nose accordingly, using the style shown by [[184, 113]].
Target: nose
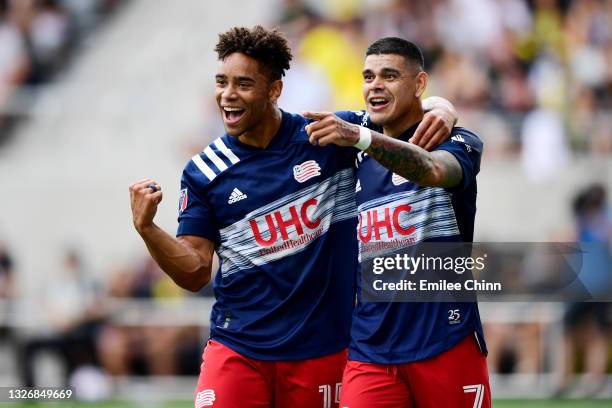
[[374, 86], [229, 92], [377, 83]]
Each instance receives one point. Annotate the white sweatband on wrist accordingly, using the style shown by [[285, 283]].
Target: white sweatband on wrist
[[365, 138]]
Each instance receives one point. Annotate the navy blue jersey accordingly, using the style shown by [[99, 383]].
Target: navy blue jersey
[[283, 220], [394, 212]]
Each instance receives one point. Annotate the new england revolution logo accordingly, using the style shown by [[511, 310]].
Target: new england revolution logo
[[396, 179], [306, 171], [205, 398]]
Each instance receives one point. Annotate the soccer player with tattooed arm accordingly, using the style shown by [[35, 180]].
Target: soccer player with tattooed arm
[[281, 215], [408, 354]]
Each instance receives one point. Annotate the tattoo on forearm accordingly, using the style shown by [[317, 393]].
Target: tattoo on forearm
[[407, 160], [439, 169]]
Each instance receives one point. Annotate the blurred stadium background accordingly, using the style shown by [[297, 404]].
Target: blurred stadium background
[[95, 94]]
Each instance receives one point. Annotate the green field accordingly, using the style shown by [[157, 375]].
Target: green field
[[187, 404], [552, 403]]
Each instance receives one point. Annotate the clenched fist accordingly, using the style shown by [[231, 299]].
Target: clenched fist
[[145, 195]]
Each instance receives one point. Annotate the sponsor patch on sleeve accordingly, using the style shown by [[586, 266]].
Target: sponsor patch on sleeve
[[183, 199]]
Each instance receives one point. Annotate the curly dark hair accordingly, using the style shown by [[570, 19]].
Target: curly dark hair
[[269, 47]]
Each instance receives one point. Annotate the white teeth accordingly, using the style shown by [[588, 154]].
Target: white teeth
[[227, 109], [376, 100]]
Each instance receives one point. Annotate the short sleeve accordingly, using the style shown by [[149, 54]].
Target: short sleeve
[[467, 149], [196, 215], [361, 118]]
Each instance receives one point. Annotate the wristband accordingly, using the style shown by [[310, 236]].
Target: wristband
[[365, 138]]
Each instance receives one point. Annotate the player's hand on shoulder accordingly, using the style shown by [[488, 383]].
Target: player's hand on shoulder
[[145, 195], [436, 126], [328, 128]]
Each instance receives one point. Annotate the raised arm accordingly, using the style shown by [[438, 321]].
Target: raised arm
[[187, 259], [429, 169]]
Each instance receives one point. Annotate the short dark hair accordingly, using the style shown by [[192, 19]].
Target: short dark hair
[[269, 47], [398, 46]]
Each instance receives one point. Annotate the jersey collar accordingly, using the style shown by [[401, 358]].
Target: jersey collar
[[407, 134]]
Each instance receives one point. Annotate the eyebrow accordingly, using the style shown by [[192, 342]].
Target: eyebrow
[[384, 71], [245, 78], [239, 78]]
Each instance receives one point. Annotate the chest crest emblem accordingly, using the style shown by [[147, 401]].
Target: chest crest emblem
[[306, 171], [396, 179]]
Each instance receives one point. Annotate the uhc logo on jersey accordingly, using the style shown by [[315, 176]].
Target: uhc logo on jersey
[[288, 225], [306, 171], [386, 223], [293, 216], [183, 200], [401, 219]]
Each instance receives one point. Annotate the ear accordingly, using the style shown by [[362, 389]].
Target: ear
[[421, 83], [275, 90]]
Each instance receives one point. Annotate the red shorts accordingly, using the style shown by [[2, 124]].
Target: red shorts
[[456, 378], [230, 380]]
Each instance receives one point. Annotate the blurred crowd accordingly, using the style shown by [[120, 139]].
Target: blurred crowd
[[532, 77], [37, 39], [586, 326], [84, 327]]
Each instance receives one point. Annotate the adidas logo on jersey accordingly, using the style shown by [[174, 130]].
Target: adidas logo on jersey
[[236, 195], [459, 138]]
